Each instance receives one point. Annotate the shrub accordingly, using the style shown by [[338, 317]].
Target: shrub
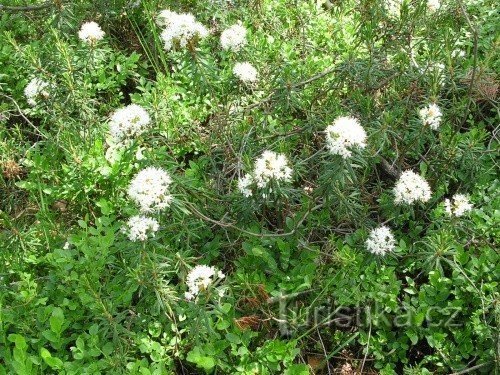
[[249, 187]]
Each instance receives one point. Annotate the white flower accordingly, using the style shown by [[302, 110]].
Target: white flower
[[433, 5], [457, 53], [35, 89], [343, 134], [245, 72], [200, 278], [180, 29], [411, 188], [380, 241], [138, 228], [431, 115], [458, 205], [114, 152], [244, 185], [271, 166], [164, 17], [127, 122], [234, 37], [138, 154], [149, 189], [308, 189], [66, 246], [90, 32], [393, 7]]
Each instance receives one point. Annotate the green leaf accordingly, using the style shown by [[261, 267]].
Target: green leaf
[[108, 348], [80, 344], [105, 207], [264, 254], [18, 340], [423, 168], [194, 355], [51, 336], [53, 362], [297, 369], [257, 251], [226, 307], [24, 184], [206, 362], [231, 337], [197, 356], [222, 324], [56, 321], [94, 329], [413, 336]]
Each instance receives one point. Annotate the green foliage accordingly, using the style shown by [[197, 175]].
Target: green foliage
[[301, 293]]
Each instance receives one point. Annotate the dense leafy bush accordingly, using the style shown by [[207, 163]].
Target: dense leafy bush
[[256, 187]]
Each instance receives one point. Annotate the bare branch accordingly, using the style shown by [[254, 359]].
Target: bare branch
[[292, 87], [222, 224]]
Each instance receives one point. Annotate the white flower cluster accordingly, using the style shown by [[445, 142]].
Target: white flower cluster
[[270, 166], [35, 89], [245, 72], [411, 188], [380, 241], [200, 278], [90, 32], [431, 115], [139, 227], [180, 29], [433, 5], [149, 189], [164, 17], [244, 185], [128, 122], [458, 205], [343, 134], [234, 37]]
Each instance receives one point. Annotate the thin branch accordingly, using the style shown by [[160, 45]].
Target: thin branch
[[24, 117], [470, 369], [222, 224], [324, 351], [291, 87], [388, 168], [367, 348], [314, 78]]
